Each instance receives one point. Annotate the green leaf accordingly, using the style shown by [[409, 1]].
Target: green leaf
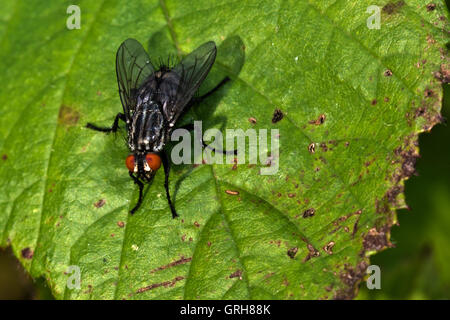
[[359, 95]]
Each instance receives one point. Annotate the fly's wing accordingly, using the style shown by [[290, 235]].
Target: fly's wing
[[192, 70], [133, 66]]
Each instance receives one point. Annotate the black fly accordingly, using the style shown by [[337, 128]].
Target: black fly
[[153, 100]]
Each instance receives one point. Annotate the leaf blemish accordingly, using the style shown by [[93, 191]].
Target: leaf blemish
[[68, 116], [27, 253], [164, 284], [350, 277], [277, 115], [252, 120], [392, 8], [324, 146], [312, 252], [5, 157], [236, 274], [329, 247], [312, 148], [431, 7], [292, 252], [429, 93], [100, 203], [320, 120], [182, 260], [376, 240], [309, 213]]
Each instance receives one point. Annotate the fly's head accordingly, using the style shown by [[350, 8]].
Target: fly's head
[[143, 165]]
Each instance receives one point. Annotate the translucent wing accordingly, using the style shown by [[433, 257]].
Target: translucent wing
[[192, 70], [132, 67]]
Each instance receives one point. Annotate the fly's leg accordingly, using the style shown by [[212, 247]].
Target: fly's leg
[[190, 127], [206, 95], [166, 164], [114, 127], [141, 187]]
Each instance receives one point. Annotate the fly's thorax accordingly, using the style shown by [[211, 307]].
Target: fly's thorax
[[163, 87], [168, 93]]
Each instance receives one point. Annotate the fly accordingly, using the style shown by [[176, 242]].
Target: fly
[[153, 100]]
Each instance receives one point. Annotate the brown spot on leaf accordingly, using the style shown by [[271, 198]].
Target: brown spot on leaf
[[431, 7], [182, 260], [374, 102], [393, 7], [292, 252], [443, 74], [388, 73], [312, 252], [161, 284], [100, 203], [235, 160], [68, 116], [430, 40], [355, 227], [376, 240], [429, 93], [267, 276], [27, 253], [329, 247], [232, 192], [196, 224], [236, 274], [312, 148], [277, 115], [252, 120], [351, 277], [120, 224], [309, 213], [320, 120], [5, 157]]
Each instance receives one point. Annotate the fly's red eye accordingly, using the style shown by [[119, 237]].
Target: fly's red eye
[[153, 161], [130, 162]]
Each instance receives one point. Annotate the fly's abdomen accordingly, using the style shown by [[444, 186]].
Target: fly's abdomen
[[147, 129]]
